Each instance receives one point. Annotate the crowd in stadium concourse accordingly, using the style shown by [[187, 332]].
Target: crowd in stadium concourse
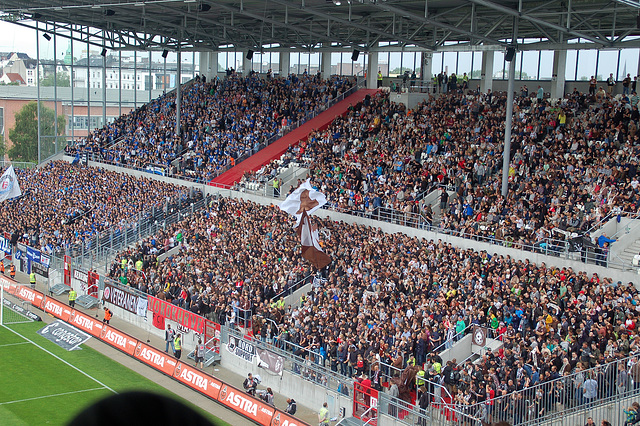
[[572, 163], [392, 298], [221, 120], [64, 204]]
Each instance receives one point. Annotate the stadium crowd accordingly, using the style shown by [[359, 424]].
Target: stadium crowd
[[395, 299], [64, 204], [572, 163], [221, 120]]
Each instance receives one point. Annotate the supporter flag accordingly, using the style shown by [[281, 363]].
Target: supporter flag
[[301, 203], [313, 200], [9, 187], [158, 321]]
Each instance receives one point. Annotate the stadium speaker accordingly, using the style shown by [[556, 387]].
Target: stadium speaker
[[250, 54], [46, 36], [355, 55], [511, 53], [165, 53], [104, 52], [109, 12], [204, 7]]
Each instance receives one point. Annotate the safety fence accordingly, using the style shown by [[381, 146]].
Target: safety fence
[[99, 250], [237, 400]]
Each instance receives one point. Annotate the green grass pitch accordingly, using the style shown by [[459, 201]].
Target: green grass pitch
[[38, 389]]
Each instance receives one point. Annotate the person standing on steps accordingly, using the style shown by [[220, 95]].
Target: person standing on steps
[[177, 344], [169, 335], [200, 354], [73, 295], [32, 279]]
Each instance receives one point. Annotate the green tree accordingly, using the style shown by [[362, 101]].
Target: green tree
[[3, 147], [49, 81], [24, 136]]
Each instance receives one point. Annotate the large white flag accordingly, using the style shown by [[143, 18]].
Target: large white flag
[[301, 203], [9, 187], [311, 201]]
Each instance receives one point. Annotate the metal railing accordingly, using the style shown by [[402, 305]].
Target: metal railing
[[102, 248], [564, 396], [303, 367]]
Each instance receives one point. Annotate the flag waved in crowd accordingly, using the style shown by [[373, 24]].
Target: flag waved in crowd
[[9, 187], [301, 203]]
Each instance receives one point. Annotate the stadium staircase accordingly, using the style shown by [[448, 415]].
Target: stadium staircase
[[276, 149], [350, 421]]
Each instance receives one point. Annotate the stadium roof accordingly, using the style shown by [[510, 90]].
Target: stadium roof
[[312, 25]]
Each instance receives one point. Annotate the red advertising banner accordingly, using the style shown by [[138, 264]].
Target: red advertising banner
[[67, 271], [8, 283], [86, 323], [118, 340], [57, 309], [92, 284], [155, 358], [181, 316], [283, 419], [197, 380], [246, 405], [34, 297]]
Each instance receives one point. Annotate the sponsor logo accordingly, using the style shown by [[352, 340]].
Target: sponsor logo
[[152, 357], [223, 392], [285, 422], [194, 378], [80, 275], [54, 308], [27, 294], [178, 370], [115, 338], [84, 322], [138, 349], [243, 403]]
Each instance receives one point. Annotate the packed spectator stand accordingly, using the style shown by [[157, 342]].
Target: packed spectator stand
[[389, 299], [63, 205], [573, 163], [221, 121]]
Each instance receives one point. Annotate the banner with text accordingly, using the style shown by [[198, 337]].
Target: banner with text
[[174, 313], [122, 298]]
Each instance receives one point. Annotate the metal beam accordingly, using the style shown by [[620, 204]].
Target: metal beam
[[438, 24], [560, 28]]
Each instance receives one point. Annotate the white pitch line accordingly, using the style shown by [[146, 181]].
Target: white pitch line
[[14, 344], [49, 396], [60, 359]]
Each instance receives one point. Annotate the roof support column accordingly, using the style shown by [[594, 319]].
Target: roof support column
[[285, 63], [178, 93], [372, 70], [247, 65], [558, 76], [425, 69], [486, 74], [325, 64]]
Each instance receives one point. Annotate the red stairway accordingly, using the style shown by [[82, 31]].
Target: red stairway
[[279, 147]]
